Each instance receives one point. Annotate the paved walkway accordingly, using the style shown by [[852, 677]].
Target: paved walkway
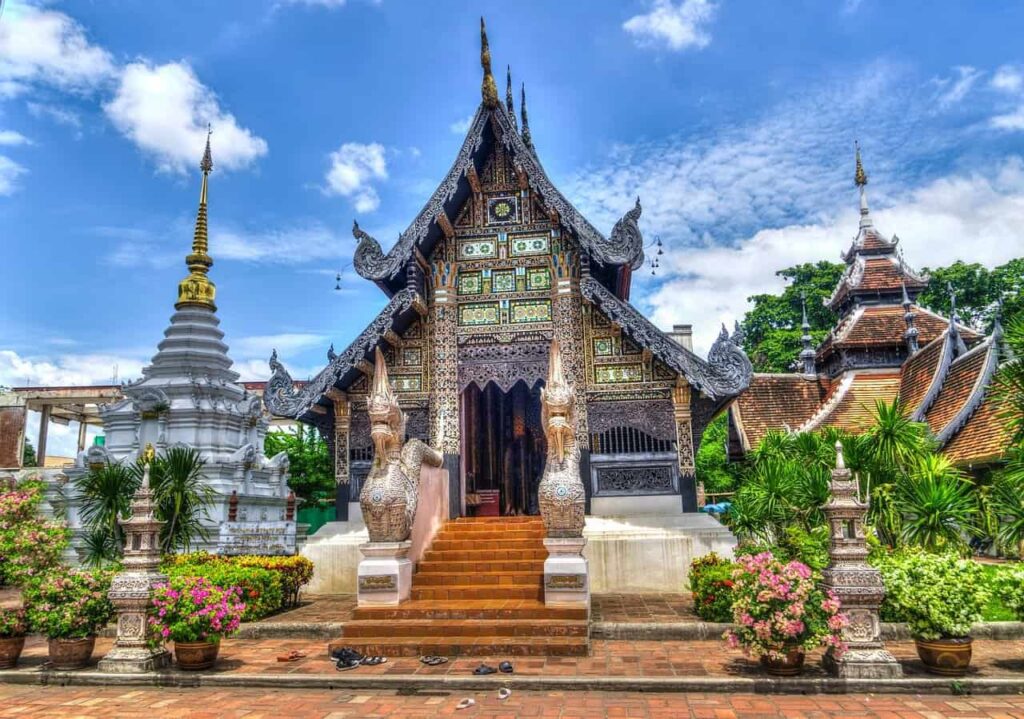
[[22, 701]]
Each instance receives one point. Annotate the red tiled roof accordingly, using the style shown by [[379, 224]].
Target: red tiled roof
[[918, 374], [883, 325], [983, 438], [776, 401], [853, 405], [961, 381]]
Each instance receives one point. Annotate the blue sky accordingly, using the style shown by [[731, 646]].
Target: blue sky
[[734, 120]]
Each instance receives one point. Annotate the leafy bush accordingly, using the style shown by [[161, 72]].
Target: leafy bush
[[293, 571], [194, 609], [13, 622], [711, 584], [1009, 585], [69, 604], [260, 589], [938, 595], [29, 544], [809, 547], [779, 607]]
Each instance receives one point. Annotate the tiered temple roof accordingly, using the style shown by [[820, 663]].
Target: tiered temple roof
[[884, 347]]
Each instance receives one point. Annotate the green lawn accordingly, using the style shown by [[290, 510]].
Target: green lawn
[[995, 611]]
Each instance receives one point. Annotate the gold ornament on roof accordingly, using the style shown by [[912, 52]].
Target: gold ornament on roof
[[488, 89], [197, 289], [860, 177]]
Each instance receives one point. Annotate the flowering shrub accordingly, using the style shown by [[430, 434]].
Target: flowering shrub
[[938, 595], [69, 604], [293, 571], [194, 609], [711, 585], [13, 623], [778, 608], [260, 589], [29, 544], [1010, 588]]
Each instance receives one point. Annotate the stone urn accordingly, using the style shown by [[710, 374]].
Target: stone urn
[[68, 654], [10, 650], [789, 665], [946, 657], [193, 656]]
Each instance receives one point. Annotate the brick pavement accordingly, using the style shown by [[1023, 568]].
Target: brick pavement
[[70, 702]]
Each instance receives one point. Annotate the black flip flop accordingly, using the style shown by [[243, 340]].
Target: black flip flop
[[372, 661], [432, 661], [484, 669], [344, 665], [506, 667]]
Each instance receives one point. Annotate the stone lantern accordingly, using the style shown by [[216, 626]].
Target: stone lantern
[[132, 589], [857, 584]]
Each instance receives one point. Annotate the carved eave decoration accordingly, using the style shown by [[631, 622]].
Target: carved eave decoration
[[286, 399], [726, 372], [623, 247]]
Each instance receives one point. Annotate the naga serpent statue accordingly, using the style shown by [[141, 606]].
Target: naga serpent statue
[[389, 495], [560, 494]]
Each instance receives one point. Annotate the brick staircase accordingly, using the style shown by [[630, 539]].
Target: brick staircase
[[479, 591]]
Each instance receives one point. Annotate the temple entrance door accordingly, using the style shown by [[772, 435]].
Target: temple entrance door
[[503, 446]]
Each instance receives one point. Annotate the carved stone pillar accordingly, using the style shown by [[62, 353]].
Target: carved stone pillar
[[857, 584], [567, 312], [681, 396], [444, 400], [342, 466], [132, 589]]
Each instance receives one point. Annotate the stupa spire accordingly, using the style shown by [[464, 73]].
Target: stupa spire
[[527, 138], [197, 289], [860, 178], [509, 105], [488, 89]]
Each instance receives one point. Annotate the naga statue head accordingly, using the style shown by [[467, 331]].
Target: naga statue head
[[387, 421], [558, 402]]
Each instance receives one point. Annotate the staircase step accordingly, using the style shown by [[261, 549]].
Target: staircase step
[[498, 520], [483, 555], [480, 591], [444, 545], [440, 579], [466, 646], [452, 628], [469, 609], [476, 535], [535, 566]]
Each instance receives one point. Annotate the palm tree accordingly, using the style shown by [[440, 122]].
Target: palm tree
[[937, 505], [1008, 500], [105, 493], [1009, 383], [182, 498]]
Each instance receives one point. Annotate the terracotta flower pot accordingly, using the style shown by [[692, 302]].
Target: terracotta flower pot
[[10, 650], [948, 657], [788, 666], [66, 654], [193, 656]]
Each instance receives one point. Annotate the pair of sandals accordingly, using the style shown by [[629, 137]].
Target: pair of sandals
[[503, 694], [484, 669], [348, 658], [433, 661]]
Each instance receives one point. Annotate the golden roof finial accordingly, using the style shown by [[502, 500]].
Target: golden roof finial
[[197, 289], [860, 177], [488, 89]]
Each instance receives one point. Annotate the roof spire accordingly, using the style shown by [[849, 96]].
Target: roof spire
[[807, 353], [954, 331], [527, 138], [910, 335], [508, 95], [197, 289], [860, 178], [488, 89]]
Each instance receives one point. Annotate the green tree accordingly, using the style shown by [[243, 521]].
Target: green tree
[[28, 455], [772, 327], [714, 469], [311, 472], [978, 291]]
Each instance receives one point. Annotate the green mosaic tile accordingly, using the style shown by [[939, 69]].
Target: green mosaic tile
[[522, 246], [476, 249], [538, 278], [469, 283], [479, 314], [412, 357], [525, 311], [407, 383], [610, 374], [503, 281]]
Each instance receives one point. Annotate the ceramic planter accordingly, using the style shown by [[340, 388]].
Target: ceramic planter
[[67, 654], [193, 656], [10, 650], [788, 666], [948, 657]]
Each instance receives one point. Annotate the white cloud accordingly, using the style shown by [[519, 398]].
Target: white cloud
[[1008, 78], [164, 110], [60, 115], [286, 344], [67, 369], [677, 26], [47, 46], [954, 89], [10, 137], [461, 127], [354, 167], [9, 172], [1013, 120], [973, 217]]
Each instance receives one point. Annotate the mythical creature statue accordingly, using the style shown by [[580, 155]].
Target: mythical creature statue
[[626, 241], [561, 495], [389, 495]]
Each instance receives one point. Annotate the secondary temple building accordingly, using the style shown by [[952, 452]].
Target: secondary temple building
[[884, 346], [496, 267]]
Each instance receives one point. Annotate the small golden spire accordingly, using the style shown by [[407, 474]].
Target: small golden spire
[[860, 177], [488, 89], [197, 289]]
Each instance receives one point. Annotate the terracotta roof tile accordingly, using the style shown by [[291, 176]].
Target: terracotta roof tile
[[874, 241], [918, 374], [776, 401], [854, 409], [983, 438], [883, 325], [961, 380]]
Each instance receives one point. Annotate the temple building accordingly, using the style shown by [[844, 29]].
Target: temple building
[[884, 346], [496, 266]]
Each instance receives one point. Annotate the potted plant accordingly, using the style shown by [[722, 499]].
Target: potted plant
[[195, 614], [780, 613], [68, 608], [939, 596], [13, 627]]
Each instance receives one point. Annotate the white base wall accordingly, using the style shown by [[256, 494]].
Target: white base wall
[[334, 551]]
